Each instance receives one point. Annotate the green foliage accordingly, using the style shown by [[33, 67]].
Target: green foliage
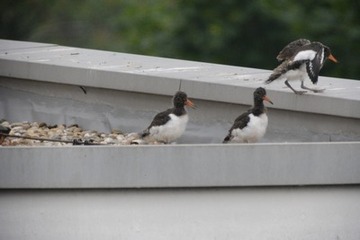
[[243, 33]]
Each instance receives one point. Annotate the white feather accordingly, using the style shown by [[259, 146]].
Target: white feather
[[253, 132], [322, 56], [299, 74], [172, 130], [305, 55]]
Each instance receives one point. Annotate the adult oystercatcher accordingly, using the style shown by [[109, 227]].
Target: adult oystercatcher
[[169, 125], [301, 60], [250, 126]]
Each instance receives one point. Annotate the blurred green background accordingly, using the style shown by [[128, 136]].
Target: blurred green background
[[242, 33]]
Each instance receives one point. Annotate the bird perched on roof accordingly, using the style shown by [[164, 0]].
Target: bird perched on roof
[[301, 60], [250, 126], [169, 125]]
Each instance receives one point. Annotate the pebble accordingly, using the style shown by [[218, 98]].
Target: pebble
[[61, 132]]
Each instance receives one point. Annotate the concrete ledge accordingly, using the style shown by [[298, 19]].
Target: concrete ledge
[[180, 166], [136, 192], [125, 92], [128, 72]]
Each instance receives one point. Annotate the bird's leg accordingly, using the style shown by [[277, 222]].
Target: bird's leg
[[295, 91], [315, 90]]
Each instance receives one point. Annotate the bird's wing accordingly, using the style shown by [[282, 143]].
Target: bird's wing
[[289, 50], [313, 59], [159, 119], [313, 68], [240, 122], [278, 71]]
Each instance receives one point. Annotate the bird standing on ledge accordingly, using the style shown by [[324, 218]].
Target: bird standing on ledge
[[250, 126], [169, 125], [301, 60]]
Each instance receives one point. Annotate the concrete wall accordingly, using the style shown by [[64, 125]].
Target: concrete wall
[[226, 213], [301, 182]]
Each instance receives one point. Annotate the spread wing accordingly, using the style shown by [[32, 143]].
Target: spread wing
[[291, 49], [240, 122], [283, 68], [159, 119]]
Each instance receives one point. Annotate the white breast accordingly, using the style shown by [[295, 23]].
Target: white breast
[[172, 130], [299, 74], [253, 132]]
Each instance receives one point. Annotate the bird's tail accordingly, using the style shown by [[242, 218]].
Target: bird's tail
[[227, 139]]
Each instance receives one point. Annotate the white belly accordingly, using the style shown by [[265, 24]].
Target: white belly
[[253, 132], [297, 74], [171, 131]]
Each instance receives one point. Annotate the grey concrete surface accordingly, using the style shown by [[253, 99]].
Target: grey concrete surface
[[195, 165], [261, 213], [129, 72], [105, 109]]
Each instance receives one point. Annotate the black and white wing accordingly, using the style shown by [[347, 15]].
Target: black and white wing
[[289, 50], [159, 119], [313, 67]]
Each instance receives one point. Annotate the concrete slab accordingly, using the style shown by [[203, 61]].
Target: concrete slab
[[12, 45], [162, 214], [155, 75], [214, 165], [104, 109]]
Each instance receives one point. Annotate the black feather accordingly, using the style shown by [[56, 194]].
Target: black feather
[[240, 122], [159, 119]]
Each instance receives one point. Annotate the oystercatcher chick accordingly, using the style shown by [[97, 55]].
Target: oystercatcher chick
[[169, 125], [250, 126], [301, 60]]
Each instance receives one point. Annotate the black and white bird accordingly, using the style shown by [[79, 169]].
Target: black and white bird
[[301, 60], [169, 125], [250, 126]]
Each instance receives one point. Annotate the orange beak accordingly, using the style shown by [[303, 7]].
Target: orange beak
[[332, 58], [190, 103], [265, 98]]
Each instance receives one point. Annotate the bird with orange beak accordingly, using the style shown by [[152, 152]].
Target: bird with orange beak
[[169, 125], [250, 126], [301, 60]]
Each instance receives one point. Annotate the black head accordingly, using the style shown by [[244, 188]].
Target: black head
[[180, 100], [260, 96], [328, 55], [318, 46]]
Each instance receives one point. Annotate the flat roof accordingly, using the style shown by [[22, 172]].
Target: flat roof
[[184, 165], [155, 75]]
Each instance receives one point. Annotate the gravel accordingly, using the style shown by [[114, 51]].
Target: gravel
[[61, 132]]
